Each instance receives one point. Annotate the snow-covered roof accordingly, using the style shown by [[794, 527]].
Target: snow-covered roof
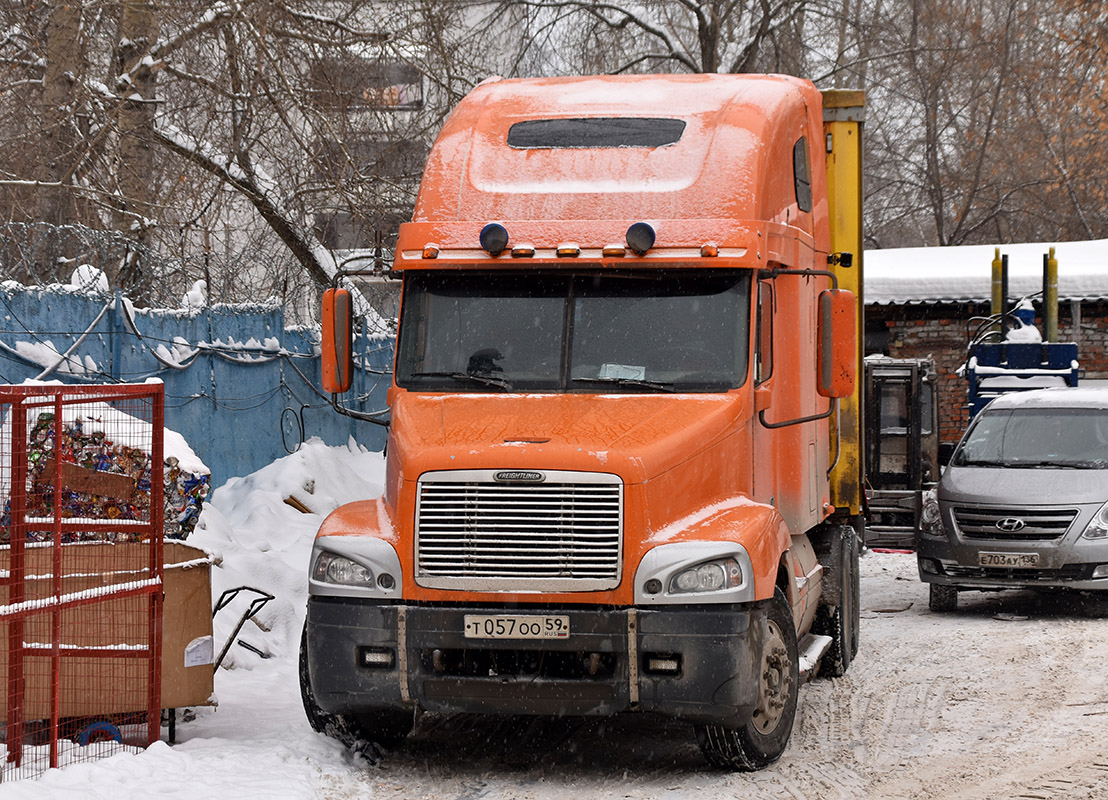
[[964, 274]]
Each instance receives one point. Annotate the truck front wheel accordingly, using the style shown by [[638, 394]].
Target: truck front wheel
[[763, 739], [384, 728]]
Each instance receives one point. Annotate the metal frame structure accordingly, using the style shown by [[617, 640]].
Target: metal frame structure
[[83, 592]]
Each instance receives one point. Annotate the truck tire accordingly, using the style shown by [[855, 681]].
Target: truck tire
[[942, 598], [383, 728], [842, 620], [763, 739]]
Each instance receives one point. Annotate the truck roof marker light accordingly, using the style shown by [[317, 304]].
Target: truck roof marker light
[[430, 251], [494, 238], [523, 251], [614, 251], [709, 250], [568, 250], [640, 238]]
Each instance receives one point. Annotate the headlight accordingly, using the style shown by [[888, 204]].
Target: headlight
[[930, 518], [330, 568], [354, 566], [684, 573], [710, 576], [1098, 525]]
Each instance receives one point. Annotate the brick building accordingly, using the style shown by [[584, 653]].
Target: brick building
[[923, 302]]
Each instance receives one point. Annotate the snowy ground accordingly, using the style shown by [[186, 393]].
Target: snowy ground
[[1007, 698]]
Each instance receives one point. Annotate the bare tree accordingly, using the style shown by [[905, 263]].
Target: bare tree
[[295, 128], [673, 35], [1063, 88], [59, 102], [257, 142]]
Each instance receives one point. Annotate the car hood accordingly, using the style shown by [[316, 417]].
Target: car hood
[[1008, 486]]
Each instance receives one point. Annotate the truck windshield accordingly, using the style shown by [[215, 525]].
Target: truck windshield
[[1073, 438], [583, 332]]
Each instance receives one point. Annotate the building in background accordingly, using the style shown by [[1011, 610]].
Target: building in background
[[927, 302]]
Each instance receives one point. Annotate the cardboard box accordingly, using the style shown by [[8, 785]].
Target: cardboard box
[[187, 647], [98, 685]]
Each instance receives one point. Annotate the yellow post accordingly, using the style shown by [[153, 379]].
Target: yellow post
[[843, 113], [1050, 298]]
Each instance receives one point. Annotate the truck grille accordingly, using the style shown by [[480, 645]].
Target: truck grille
[[1013, 524], [560, 533]]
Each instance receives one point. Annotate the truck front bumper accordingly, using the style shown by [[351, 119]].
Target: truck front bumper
[[699, 664]]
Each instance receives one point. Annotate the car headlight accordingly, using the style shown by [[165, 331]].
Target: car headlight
[[331, 568], [930, 518], [1098, 525], [710, 576]]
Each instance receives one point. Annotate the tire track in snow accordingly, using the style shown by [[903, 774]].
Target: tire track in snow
[[1076, 778]]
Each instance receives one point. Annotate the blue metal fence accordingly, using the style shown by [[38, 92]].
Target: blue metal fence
[[240, 387]]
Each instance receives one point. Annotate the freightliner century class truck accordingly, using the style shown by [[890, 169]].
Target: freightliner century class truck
[[623, 456]]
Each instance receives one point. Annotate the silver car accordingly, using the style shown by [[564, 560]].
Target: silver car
[[1023, 502]]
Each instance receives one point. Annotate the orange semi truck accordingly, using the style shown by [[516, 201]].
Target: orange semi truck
[[623, 456]]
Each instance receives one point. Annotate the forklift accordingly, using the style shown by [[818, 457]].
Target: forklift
[[901, 446]]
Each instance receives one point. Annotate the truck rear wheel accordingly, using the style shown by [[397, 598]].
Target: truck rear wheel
[[842, 620], [763, 739], [384, 728]]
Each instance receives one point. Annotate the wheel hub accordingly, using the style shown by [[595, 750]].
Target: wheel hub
[[775, 685]]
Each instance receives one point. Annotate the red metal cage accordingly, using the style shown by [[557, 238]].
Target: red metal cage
[[81, 537]]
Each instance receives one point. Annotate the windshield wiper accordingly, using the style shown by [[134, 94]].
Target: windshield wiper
[[1049, 464], [982, 462], [486, 380], [665, 386]]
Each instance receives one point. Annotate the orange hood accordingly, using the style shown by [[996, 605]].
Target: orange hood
[[638, 437]]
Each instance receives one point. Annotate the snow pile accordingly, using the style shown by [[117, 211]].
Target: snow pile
[[1023, 333], [179, 355], [1024, 319], [44, 354], [87, 278], [197, 297], [259, 532]]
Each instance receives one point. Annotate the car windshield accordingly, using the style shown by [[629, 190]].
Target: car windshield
[[664, 331], [1074, 438]]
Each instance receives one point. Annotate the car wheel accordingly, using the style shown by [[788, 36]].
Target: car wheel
[[942, 598]]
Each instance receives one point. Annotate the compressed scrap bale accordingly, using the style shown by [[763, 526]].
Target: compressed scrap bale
[[103, 480]]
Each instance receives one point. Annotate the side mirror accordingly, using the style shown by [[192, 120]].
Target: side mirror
[[838, 349], [338, 359]]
